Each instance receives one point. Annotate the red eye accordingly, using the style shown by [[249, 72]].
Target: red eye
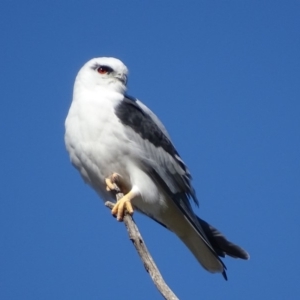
[[104, 70]]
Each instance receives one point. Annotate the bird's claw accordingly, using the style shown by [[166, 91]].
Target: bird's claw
[[112, 181], [115, 183], [124, 204]]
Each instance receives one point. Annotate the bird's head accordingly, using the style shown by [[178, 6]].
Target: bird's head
[[104, 72]]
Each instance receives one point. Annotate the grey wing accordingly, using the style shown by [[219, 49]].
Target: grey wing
[[160, 157], [153, 116]]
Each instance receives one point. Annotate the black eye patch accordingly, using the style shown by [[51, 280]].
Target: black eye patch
[[102, 69]]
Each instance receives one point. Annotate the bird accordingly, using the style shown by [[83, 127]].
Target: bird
[[112, 137]]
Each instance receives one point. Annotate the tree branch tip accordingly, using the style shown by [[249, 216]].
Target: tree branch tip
[[138, 242]]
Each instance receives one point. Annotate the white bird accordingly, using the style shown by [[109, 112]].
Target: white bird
[[108, 132]]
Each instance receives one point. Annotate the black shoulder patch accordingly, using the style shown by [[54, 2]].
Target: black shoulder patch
[[130, 98], [131, 114]]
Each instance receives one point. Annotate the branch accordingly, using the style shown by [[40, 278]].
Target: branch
[[149, 264]]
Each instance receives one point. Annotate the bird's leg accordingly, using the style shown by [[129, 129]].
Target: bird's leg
[[125, 202]]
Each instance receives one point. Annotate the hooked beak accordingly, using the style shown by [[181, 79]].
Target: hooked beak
[[122, 78]]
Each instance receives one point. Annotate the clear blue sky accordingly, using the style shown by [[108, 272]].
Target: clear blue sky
[[223, 76]]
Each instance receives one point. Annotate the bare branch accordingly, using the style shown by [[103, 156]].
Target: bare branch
[[149, 264]]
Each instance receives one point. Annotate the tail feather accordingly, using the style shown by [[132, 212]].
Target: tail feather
[[220, 244], [203, 240], [193, 236], [203, 253]]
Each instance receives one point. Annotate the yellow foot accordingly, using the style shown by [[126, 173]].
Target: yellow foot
[[124, 203], [111, 181]]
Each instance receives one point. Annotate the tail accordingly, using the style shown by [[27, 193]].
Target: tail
[[200, 246], [207, 253], [191, 233], [203, 240], [220, 244]]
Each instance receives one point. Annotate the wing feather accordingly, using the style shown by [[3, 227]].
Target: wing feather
[[144, 128]]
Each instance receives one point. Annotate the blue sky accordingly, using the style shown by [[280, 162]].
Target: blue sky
[[223, 76]]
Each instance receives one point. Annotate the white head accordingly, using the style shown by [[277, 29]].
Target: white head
[[104, 72]]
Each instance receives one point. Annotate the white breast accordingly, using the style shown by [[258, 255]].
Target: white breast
[[94, 136]]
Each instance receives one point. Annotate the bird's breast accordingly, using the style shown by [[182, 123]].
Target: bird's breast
[[96, 141]]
